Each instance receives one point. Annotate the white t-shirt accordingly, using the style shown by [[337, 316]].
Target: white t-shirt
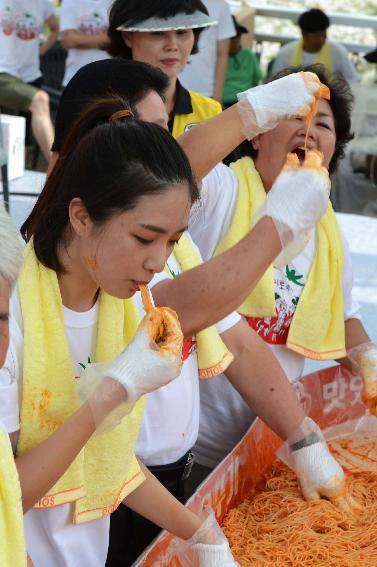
[[20, 24], [342, 64], [171, 419], [221, 405], [199, 73], [51, 537], [85, 16]]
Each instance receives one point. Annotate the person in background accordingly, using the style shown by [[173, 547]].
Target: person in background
[[20, 26], [142, 85], [243, 70], [83, 24], [314, 47], [206, 70], [164, 35]]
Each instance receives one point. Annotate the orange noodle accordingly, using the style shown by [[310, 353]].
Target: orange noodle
[[324, 92], [146, 297], [276, 527]]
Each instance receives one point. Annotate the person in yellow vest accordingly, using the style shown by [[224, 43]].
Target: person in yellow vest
[[73, 306], [302, 307], [164, 34], [314, 47]]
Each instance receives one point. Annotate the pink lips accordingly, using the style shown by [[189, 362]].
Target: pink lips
[[169, 61]]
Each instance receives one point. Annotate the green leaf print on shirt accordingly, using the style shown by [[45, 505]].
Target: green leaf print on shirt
[[293, 277], [172, 273], [85, 365]]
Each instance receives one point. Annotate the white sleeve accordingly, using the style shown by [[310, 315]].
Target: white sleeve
[[9, 410], [228, 322], [68, 15], [351, 306], [225, 27], [48, 10], [10, 374], [211, 216]]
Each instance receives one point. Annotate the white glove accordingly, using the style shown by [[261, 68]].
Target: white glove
[[215, 555], [152, 359], [296, 202], [319, 474], [263, 107], [364, 358], [208, 547]]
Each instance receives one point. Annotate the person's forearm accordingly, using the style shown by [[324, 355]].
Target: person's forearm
[[78, 40], [221, 68], [217, 146], [355, 336], [53, 26], [42, 466], [152, 501], [52, 38], [258, 377], [219, 286]]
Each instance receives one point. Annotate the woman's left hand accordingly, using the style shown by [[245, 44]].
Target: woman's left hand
[[208, 547]]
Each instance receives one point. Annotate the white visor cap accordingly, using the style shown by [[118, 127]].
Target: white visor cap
[[180, 21]]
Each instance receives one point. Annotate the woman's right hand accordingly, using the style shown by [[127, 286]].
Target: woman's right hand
[[151, 360], [263, 107], [154, 356]]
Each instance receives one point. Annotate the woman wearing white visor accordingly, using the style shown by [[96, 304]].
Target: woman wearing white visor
[[164, 34]]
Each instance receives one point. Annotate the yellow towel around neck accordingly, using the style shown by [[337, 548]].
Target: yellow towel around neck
[[213, 355], [106, 470], [12, 542], [317, 328], [251, 195], [323, 56]]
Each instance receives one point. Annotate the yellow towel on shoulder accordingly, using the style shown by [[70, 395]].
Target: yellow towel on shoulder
[[323, 56], [317, 328], [106, 470], [12, 542], [213, 355], [251, 195]]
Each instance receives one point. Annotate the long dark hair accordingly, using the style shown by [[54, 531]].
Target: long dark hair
[[133, 11], [109, 164], [340, 103]]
